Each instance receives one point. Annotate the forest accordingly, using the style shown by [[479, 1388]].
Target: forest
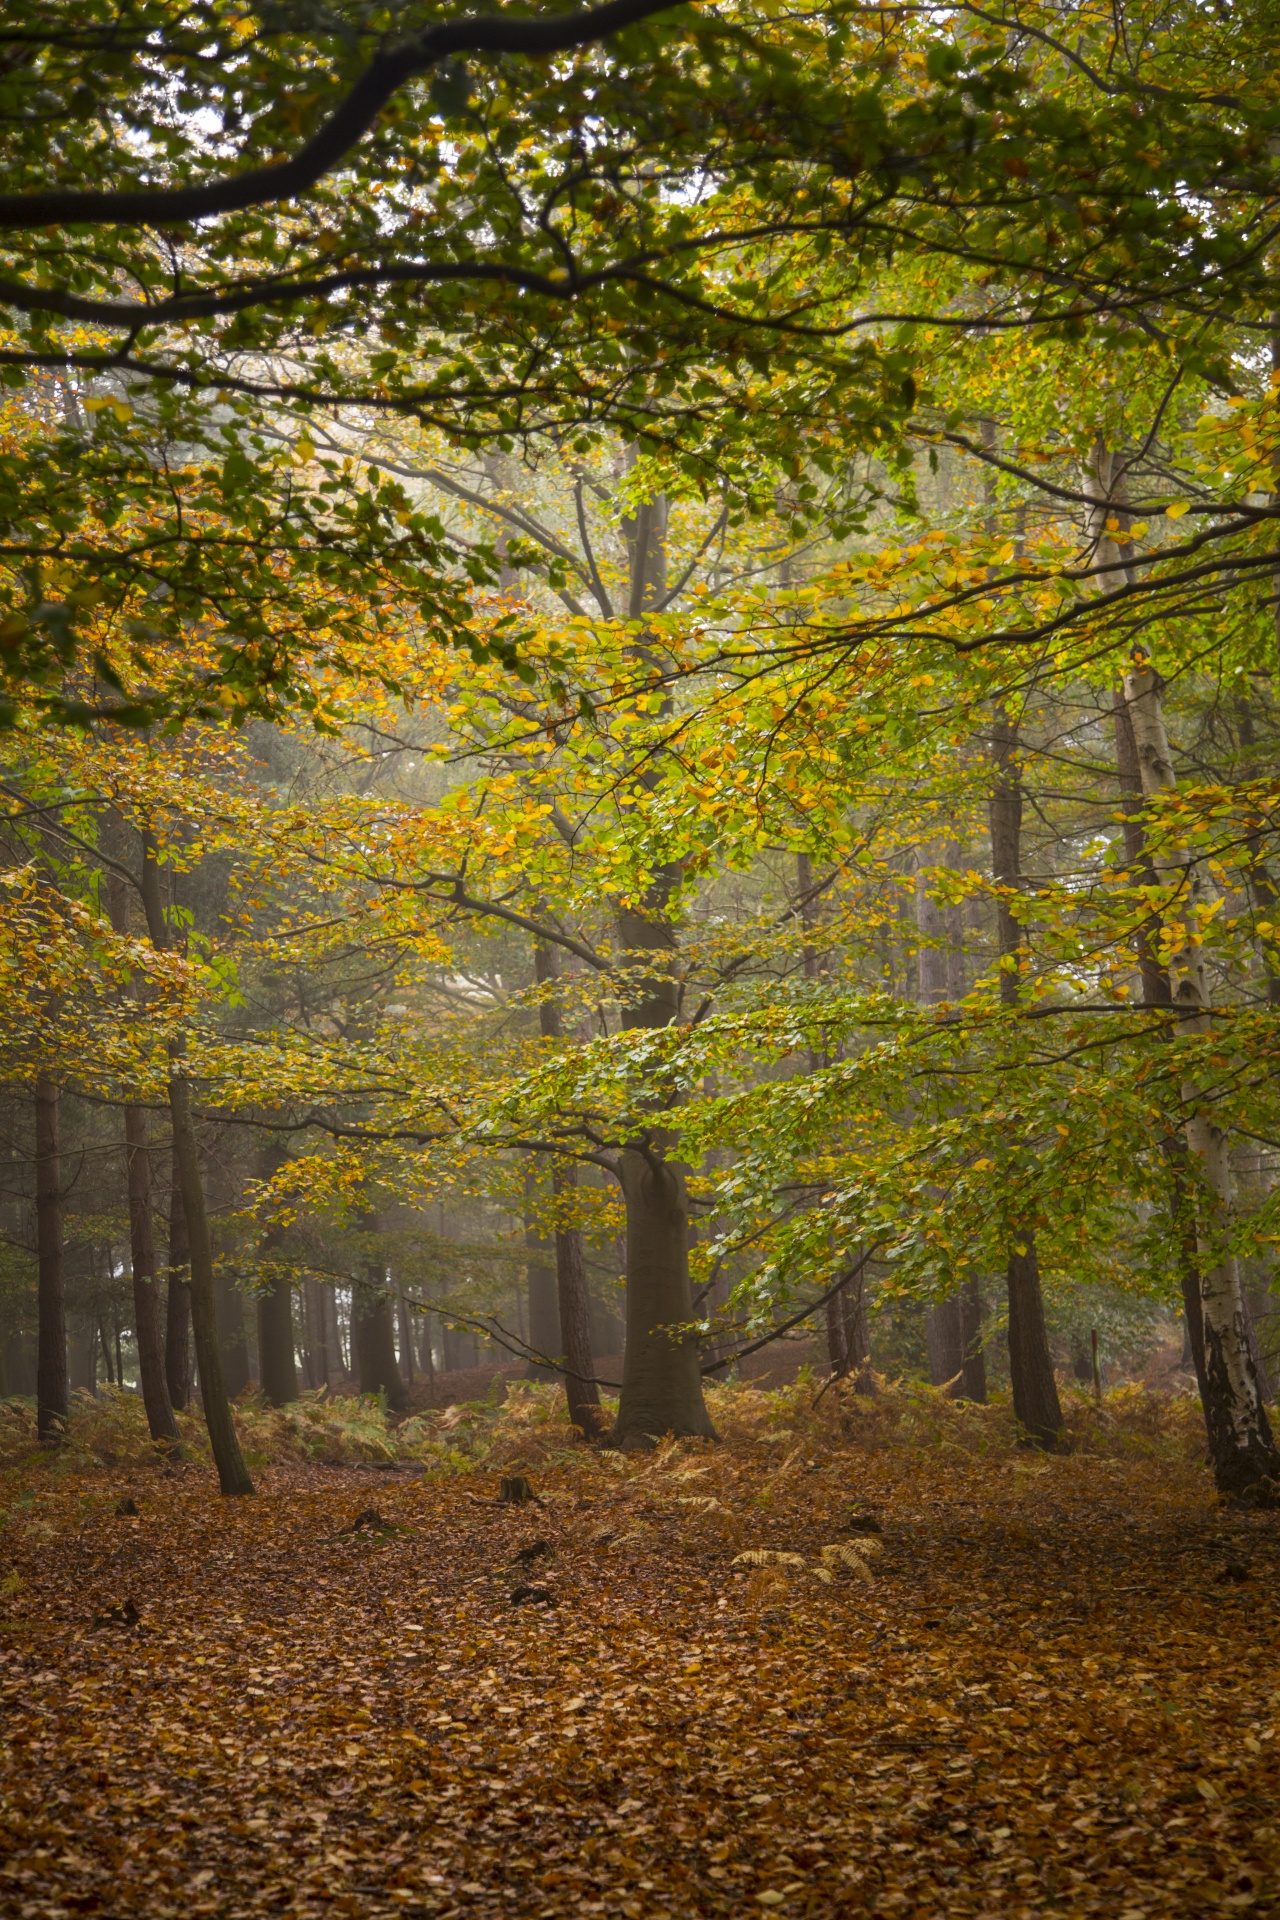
[[640, 937]]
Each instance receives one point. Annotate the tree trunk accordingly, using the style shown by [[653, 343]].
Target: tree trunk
[[323, 1360], [232, 1337], [837, 1336], [857, 1333], [571, 1307], [142, 1238], [277, 1362], [374, 1341], [406, 1338], [1035, 1391], [944, 1339], [233, 1475], [540, 1280], [177, 1331], [1157, 992], [661, 1375], [973, 1377], [51, 1338], [1245, 1461], [146, 1294], [573, 1310], [661, 1378]]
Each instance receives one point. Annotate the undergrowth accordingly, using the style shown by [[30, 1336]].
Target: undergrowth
[[528, 1427]]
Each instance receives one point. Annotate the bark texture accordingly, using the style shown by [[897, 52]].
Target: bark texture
[[51, 1335]]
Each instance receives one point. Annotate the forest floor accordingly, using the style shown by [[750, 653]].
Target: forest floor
[[1053, 1690]]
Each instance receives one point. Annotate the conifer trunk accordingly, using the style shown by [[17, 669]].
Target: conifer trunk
[[1245, 1460], [146, 1294], [51, 1335]]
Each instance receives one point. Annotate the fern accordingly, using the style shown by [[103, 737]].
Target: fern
[[849, 1557]]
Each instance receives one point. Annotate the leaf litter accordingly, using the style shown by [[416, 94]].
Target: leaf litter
[[1052, 1690]]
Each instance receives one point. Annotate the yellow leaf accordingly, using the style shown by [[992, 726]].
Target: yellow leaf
[[1176, 509]]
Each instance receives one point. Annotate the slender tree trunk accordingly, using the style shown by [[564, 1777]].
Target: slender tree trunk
[[177, 1331], [1157, 992], [142, 1239], [1245, 1461], [837, 1337], [1035, 1391], [973, 1377], [406, 1339], [51, 1337], [323, 1360], [944, 1321], [572, 1305], [146, 1293], [233, 1475], [277, 1362], [540, 1281], [857, 1334]]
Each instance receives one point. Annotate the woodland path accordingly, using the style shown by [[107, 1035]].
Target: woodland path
[[1056, 1695]]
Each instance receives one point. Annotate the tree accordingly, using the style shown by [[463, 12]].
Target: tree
[[51, 1351]]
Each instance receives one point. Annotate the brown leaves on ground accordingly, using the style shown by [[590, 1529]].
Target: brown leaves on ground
[[1053, 1690]]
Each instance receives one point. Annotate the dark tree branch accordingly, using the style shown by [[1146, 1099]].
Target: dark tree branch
[[381, 80]]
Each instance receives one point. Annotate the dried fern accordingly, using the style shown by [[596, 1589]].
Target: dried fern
[[847, 1556], [767, 1557]]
